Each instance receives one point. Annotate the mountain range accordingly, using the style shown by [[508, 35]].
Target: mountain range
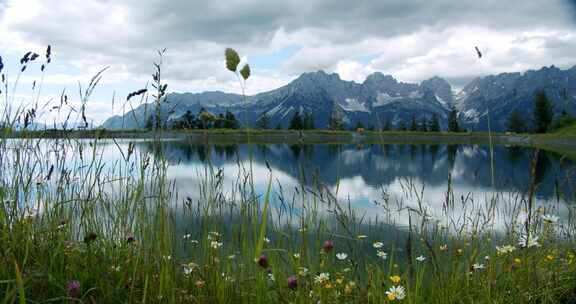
[[380, 98]]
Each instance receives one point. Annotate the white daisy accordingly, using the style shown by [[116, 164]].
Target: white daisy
[[382, 254], [341, 256], [396, 293], [528, 241], [421, 258], [501, 250], [322, 278], [478, 266], [216, 244], [378, 245]]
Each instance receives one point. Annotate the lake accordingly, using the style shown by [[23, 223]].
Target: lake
[[367, 177]]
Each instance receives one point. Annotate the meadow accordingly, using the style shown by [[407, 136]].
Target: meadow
[[76, 228]]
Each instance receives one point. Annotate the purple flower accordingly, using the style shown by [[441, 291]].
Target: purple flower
[[73, 289], [263, 261], [328, 246], [91, 237], [292, 282]]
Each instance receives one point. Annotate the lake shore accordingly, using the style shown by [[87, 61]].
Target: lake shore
[[546, 141]]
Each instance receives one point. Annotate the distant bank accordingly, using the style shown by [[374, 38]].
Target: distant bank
[[562, 142]]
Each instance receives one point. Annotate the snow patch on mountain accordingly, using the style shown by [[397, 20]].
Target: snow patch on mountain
[[353, 105], [383, 99]]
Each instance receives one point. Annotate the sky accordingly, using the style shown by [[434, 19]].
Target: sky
[[412, 40]]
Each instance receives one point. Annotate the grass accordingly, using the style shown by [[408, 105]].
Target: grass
[[76, 228]]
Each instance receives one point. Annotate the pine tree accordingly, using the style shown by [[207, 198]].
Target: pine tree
[[335, 122], [516, 123], [423, 126], [387, 125], [231, 122], [263, 122], [434, 123], [402, 126], [296, 121], [542, 112], [413, 124], [453, 125], [308, 121]]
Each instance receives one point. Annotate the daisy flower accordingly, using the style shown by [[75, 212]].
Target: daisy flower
[[396, 293], [382, 254], [341, 256], [378, 245], [421, 258]]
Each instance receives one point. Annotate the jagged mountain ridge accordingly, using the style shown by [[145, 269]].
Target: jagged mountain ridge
[[379, 98]]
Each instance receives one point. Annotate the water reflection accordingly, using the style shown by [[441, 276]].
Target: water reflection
[[366, 175]]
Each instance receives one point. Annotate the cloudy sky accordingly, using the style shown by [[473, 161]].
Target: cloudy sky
[[409, 39]]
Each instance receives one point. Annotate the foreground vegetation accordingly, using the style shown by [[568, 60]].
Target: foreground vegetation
[[75, 227]]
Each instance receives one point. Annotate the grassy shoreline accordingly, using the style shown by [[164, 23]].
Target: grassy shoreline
[[564, 143]]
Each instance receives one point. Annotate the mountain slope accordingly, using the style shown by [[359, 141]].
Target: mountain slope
[[503, 93]]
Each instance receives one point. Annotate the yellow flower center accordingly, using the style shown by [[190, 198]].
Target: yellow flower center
[[391, 296]]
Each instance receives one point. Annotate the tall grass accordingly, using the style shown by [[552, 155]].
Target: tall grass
[[78, 227]]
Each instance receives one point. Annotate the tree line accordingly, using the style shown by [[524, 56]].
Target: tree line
[[542, 120]]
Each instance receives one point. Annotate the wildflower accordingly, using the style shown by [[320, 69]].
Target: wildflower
[[382, 254], [216, 244], [322, 278], [443, 247], [517, 261], [501, 250], [115, 268], [478, 266], [396, 293], [292, 282], [395, 279], [167, 257], [296, 255], [267, 240], [187, 270], [200, 284], [550, 218], [349, 287], [527, 241], [262, 261], [328, 246], [213, 235], [487, 258], [459, 251], [378, 245], [341, 256], [303, 271], [550, 257], [73, 289], [421, 258], [195, 242], [186, 236], [271, 277]]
